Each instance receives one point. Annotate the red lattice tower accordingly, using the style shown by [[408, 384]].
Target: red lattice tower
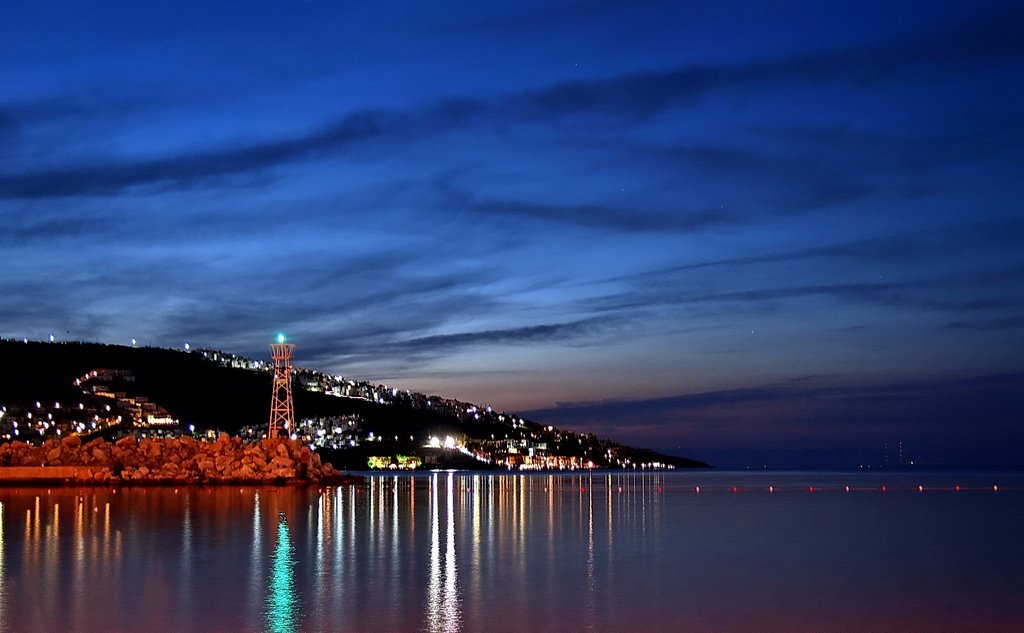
[[282, 410]]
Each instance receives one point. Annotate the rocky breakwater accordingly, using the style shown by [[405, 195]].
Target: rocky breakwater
[[172, 461]]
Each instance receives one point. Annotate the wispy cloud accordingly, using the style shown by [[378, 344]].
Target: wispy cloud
[[566, 331], [819, 421], [584, 215], [186, 170], [1015, 322], [632, 96], [812, 388]]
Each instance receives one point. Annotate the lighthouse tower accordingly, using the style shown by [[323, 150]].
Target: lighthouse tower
[[282, 409]]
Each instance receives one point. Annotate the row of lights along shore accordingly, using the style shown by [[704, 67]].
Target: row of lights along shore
[[825, 489]]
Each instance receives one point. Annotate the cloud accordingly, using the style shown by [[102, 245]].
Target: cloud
[[821, 421], [552, 15], [946, 293], [529, 334], [902, 248], [622, 220], [985, 277], [886, 293], [1015, 322], [188, 169], [387, 350], [27, 229], [985, 36], [337, 304], [632, 96], [807, 388], [330, 308]]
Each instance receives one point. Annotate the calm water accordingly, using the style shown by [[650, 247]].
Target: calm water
[[466, 552]]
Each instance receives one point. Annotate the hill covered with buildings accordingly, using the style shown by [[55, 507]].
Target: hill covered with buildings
[[50, 390]]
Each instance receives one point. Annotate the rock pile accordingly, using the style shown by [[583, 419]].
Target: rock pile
[[178, 460]]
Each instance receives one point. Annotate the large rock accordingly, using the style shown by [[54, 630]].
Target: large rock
[[283, 473], [282, 461], [153, 450]]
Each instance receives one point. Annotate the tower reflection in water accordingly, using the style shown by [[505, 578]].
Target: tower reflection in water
[[282, 601]]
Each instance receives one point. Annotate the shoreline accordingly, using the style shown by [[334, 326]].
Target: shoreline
[[180, 461], [43, 477]]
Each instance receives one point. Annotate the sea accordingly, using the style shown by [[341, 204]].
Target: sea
[[545, 552]]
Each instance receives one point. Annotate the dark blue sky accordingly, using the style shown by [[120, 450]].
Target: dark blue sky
[[779, 233]]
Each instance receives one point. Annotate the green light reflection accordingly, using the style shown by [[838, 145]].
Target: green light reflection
[[282, 601]]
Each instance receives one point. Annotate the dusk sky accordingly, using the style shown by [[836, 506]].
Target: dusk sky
[[753, 233]]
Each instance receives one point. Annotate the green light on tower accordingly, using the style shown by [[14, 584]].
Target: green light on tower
[[280, 337]]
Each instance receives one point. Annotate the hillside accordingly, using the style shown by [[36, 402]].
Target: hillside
[[167, 392]]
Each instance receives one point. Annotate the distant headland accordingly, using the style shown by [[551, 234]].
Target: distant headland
[[178, 401]]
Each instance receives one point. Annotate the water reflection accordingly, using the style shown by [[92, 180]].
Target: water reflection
[[591, 599], [2, 547], [256, 553], [443, 603], [282, 599], [497, 552], [186, 556]]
